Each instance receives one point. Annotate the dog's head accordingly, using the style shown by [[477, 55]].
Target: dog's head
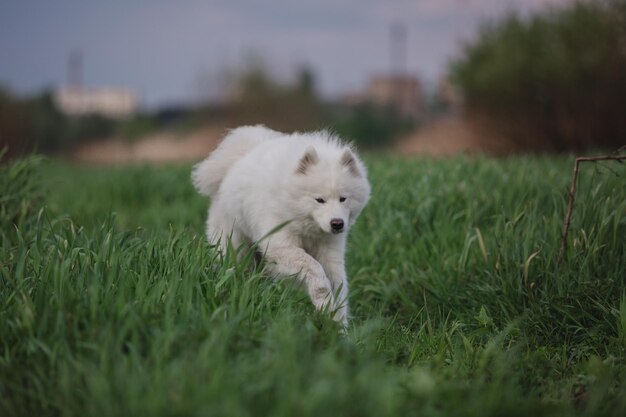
[[330, 187]]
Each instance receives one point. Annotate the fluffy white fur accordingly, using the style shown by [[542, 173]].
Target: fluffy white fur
[[311, 183]]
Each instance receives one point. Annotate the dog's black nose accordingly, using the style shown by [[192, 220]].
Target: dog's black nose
[[336, 225]]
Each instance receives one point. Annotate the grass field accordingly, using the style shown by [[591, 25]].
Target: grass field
[[113, 304]]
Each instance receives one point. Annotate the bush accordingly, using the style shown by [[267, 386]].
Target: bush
[[259, 97], [371, 127], [554, 81]]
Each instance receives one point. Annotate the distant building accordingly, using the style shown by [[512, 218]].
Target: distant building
[[117, 103], [403, 93]]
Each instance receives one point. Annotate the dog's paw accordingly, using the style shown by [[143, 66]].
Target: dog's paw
[[322, 298], [341, 316]]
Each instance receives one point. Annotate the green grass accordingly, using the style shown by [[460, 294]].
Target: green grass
[[112, 303]]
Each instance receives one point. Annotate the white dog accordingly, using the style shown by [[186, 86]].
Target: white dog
[[310, 183]]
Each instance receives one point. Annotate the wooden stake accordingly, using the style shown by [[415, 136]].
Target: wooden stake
[[572, 193]]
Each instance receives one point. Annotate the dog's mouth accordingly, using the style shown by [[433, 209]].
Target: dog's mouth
[[331, 231]]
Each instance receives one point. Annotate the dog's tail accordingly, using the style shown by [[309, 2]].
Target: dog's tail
[[208, 174]]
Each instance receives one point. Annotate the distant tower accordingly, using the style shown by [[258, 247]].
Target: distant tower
[[75, 69], [398, 50], [398, 54]]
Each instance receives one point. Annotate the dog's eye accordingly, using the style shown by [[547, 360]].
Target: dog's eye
[[320, 200], [342, 199]]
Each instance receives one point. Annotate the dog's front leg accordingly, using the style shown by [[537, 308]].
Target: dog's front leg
[[288, 260], [331, 257]]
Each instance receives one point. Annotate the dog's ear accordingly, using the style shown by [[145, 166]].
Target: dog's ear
[[349, 161], [309, 158]]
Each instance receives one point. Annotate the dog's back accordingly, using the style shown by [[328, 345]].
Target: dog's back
[[208, 174]]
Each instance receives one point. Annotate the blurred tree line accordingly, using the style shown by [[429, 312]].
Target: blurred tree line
[[35, 124], [256, 96], [554, 81]]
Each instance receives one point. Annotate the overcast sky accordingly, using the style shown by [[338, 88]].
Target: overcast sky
[[170, 51]]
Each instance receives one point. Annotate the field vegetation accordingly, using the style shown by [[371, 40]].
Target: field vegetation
[[112, 303]]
